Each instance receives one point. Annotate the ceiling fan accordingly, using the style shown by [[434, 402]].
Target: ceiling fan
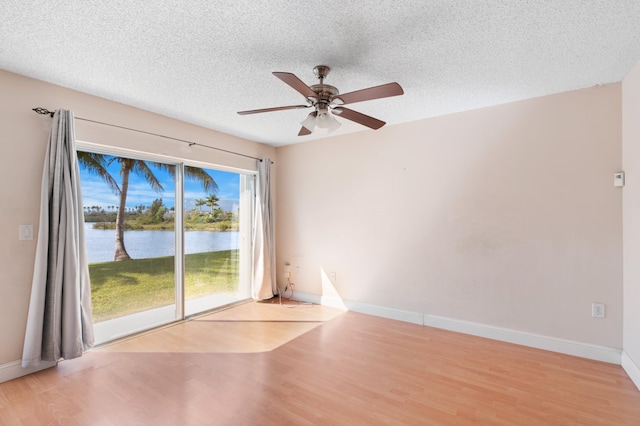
[[327, 101]]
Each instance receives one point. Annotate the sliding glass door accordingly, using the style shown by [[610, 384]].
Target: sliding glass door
[[129, 206], [164, 240], [213, 242]]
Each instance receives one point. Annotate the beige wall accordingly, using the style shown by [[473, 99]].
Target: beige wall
[[23, 135], [631, 211], [505, 216]]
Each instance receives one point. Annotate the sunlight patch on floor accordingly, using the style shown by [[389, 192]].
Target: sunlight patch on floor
[[249, 328]]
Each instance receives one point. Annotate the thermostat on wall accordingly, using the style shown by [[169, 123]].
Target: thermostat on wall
[[618, 179]]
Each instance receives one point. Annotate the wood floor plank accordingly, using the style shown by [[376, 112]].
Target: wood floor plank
[[272, 364]]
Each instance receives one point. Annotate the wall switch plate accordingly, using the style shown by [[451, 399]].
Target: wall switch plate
[[597, 310], [618, 179], [332, 277], [26, 232]]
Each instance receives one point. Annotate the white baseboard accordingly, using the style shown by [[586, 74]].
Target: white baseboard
[[310, 298], [378, 311], [568, 347], [13, 370], [554, 344], [631, 368]]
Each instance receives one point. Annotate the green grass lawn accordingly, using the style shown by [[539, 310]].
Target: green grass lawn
[[126, 287]]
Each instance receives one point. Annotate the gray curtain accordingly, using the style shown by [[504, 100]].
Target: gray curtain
[[59, 323], [264, 263]]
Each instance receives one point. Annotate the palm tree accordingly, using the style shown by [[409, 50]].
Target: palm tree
[[199, 203], [140, 168], [211, 201], [98, 164]]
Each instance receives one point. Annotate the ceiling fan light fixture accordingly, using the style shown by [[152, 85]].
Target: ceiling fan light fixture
[[335, 124], [310, 122], [327, 122], [321, 121]]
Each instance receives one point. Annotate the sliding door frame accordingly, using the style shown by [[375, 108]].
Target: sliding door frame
[[247, 194]]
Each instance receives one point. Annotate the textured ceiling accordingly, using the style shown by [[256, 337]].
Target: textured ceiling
[[201, 61]]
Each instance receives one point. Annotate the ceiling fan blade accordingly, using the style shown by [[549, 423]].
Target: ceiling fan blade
[[377, 92], [256, 111], [296, 83], [304, 131], [358, 117]]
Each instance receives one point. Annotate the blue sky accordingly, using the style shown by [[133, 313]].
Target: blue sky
[[95, 191]]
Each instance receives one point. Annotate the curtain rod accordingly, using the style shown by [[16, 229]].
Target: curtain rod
[[44, 111]]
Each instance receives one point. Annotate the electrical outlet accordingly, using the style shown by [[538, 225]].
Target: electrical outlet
[[597, 310], [332, 277], [298, 270], [287, 270]]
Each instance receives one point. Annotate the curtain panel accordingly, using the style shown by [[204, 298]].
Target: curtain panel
[[264, 269], [59, 322]]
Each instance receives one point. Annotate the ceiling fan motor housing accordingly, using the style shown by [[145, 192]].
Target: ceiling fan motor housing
[[325, 94]]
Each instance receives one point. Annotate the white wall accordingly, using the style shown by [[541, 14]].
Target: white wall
[[24, 136], [631, 212], [503, 216]]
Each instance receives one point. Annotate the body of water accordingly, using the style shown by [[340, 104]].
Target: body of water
[[144, 244]]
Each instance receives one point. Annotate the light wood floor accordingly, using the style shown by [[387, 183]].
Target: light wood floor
[[266, 364]]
